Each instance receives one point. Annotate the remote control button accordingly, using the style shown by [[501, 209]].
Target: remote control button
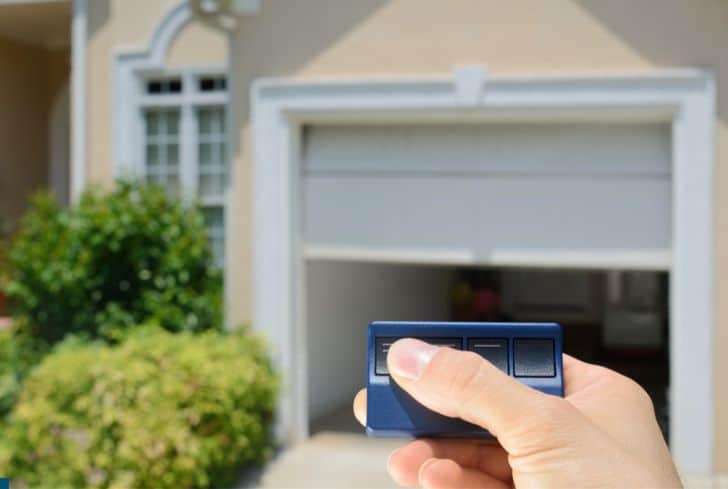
[[495, 350], [455, 343], [381, 349], [382, 344], [533, 357]]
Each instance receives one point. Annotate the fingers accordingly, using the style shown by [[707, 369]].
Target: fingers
[[462, 384], [360, 407], [404, 464], [438, 473]]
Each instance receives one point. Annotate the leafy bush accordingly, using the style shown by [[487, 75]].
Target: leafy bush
[[18, 354], [158, 410], [115, 260]]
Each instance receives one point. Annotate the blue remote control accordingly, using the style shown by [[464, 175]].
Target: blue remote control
[[529, 352]]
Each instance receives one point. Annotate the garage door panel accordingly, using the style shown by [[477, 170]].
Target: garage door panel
[[487, 214], [487, 190], [543, 149]]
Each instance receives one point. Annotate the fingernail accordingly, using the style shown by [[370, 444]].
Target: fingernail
[[408, 358]]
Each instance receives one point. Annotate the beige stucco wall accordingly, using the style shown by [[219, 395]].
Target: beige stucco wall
[[350, 38], [198, 45], [30, 78]]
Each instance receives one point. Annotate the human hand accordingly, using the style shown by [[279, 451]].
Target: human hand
[[603, 433]]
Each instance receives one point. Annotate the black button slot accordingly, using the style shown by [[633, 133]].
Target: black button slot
[[495, 350], [382, 344], [534, 357]]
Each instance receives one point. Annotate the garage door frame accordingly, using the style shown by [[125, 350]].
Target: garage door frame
[[684, 98]]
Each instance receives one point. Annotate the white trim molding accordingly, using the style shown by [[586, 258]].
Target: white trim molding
[[562, 259], [79, 38], [685, 98]]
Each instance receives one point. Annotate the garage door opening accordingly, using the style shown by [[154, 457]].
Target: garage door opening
[[608, 172], [617, 319]]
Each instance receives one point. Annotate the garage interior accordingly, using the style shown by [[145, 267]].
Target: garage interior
[[618, 319]]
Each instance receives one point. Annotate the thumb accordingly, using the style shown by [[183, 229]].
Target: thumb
[[462, 384]]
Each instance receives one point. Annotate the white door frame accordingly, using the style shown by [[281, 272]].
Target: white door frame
[[684, 98]]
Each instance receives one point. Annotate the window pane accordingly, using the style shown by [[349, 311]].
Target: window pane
[[215, 222], [154, 87], [211, 184], [173, 155], [164, 86], [205, 154], [162, 149], [212, 155], [205, 121], [152, 156], [175, 86], [212, 178], [152, 119], [172, 122], [212, 84]]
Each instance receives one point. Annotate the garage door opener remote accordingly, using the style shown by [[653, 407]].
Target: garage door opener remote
[[528, 352]]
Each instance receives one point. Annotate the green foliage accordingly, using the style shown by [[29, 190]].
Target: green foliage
[[18, 354], [113, 261], [157, 410]]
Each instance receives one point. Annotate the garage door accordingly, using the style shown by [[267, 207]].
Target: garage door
[[559, 194]]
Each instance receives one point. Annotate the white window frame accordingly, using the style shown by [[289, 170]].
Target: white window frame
[[684, 98], [188, 101]]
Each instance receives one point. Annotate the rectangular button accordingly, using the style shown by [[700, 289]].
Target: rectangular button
[[495, 350], [533, 357], [382, 345]]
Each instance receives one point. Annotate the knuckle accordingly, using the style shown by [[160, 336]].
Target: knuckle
[[632, 391], [639, 394]]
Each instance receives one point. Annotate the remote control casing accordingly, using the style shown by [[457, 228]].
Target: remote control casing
[[391, 412]]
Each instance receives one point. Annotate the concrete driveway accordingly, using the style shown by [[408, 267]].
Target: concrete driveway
[[332, 460]]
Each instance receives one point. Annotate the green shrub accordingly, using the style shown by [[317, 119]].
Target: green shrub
[[115, 260], [18, 355], [158, 410]]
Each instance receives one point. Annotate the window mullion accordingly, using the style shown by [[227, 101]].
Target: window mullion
[[188, 146]]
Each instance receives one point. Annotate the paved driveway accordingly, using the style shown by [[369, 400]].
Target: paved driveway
[[332, 460]]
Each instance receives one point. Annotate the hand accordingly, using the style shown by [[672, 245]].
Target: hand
[[603, 433]]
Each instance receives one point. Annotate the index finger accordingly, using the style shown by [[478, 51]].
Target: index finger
[[360, 407]]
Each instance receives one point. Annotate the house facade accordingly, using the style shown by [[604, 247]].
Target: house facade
[[353, 156]]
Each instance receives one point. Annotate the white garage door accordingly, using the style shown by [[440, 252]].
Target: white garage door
[[585, 194]]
